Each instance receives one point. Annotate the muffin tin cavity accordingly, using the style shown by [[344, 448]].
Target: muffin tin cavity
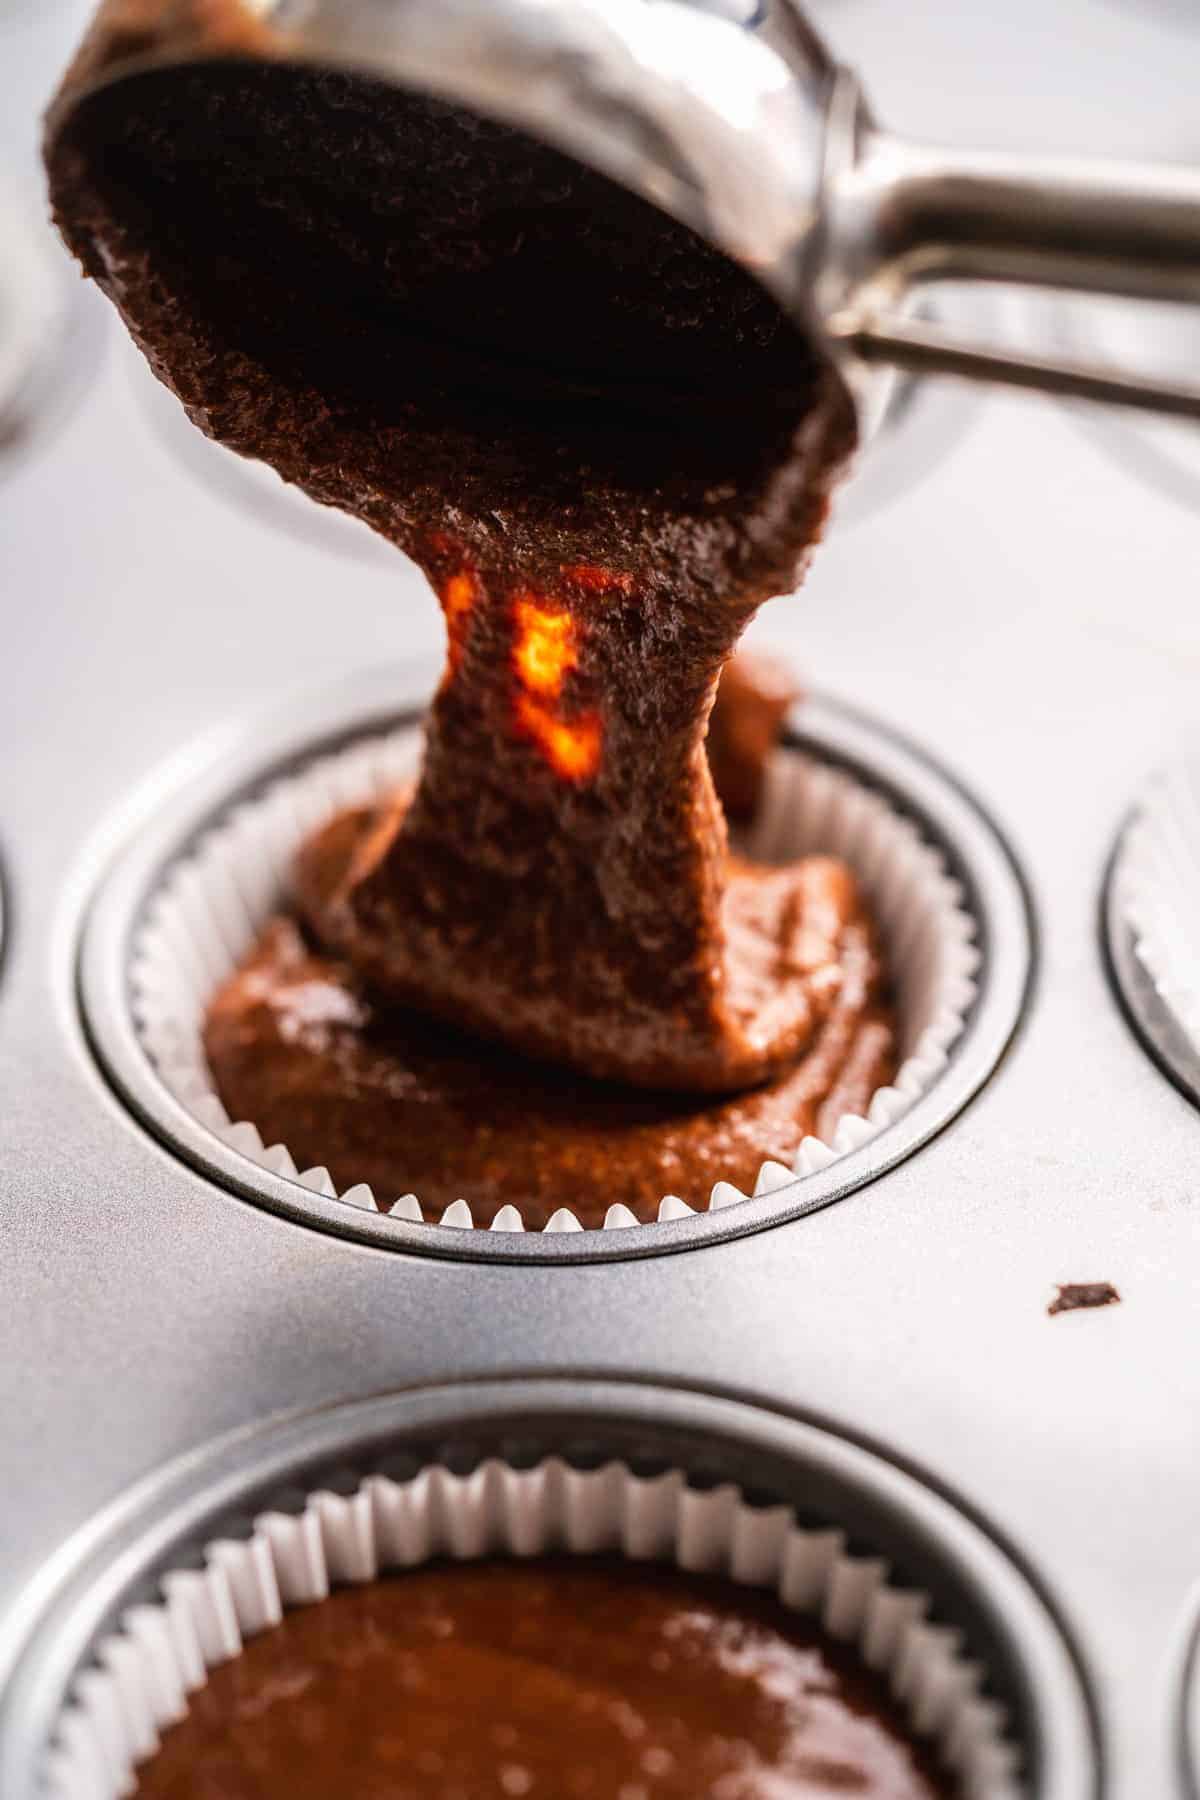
[[1152, 920], [1164, 340], [1158, 339], [51, 330], [1189, 1703], [252, 486], [922, 420], [161, 938], [178, 1579]]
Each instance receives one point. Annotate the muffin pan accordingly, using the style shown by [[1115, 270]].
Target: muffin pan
[[1189, 1708], [172, 1352], [51, 330], [1159, 338], [250, 485], [521, 1468], [191, 893], [1152, 918]]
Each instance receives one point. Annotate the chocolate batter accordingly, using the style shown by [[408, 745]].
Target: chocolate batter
[[754, 696], [377, 1094], [297, 1042], [603, 444], [558, 1680], [1072, 1296]]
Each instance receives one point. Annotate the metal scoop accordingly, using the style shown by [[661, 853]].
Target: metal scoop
[[737, 123]]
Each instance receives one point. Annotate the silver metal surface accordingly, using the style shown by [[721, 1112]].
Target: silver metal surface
[[921, 348], [1027, 614], [897, 213], [700, 117], [1189, 1705], [946, 817], [1165, 1039], [1163, 340], [1188, 1718], [52, 330], [926, 1542], [758, 142]]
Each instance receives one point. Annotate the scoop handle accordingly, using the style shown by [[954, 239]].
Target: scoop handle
[[925, 349], [898, 214]]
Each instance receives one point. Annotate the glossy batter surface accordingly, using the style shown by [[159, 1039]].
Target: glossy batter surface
[[556, 1680], [377, 1094]]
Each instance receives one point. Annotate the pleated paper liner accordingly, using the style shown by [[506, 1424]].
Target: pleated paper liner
[[213, 903], [1158, 876], [142, 1674]]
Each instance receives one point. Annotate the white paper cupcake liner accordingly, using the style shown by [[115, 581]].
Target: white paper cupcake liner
[[1159, 889], [213, 903], [142, 1673]]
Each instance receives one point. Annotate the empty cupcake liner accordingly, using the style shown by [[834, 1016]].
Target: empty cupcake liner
[[141, 1674], [213, 902], [1158, 893]]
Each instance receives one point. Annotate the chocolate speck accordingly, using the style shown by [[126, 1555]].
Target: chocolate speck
[[1073, 1295]]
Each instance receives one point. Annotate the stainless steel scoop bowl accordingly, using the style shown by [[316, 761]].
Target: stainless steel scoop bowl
[[735, 121]]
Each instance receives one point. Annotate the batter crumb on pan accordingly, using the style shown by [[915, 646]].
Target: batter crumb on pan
[[1072, 1295]]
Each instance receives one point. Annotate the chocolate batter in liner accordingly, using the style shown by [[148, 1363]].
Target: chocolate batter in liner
[[603, 444], [205, 946], [574, 1677], [298, 1042], [566, 1668], [385, 1097]]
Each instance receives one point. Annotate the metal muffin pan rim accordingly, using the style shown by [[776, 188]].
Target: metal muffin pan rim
[[1147, 1014], [66, 365], [976, 853], [113, 1560], [1187, 1719]]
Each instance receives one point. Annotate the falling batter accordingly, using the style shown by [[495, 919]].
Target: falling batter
[[606, 447]]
